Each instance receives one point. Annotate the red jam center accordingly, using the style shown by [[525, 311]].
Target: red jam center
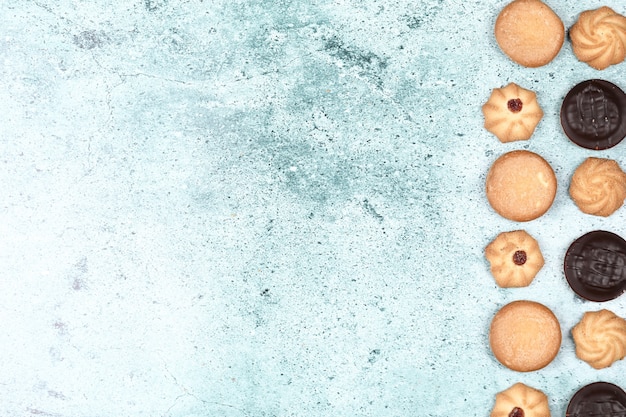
[[519, 257], [516, 412], [514, 105]]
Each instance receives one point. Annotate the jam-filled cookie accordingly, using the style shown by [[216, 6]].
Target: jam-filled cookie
[[521, 186], [520, 400], [529, 32], [515, 258], [599, 37], [512, 113], [525, 336], [598, 186], [600, 338]]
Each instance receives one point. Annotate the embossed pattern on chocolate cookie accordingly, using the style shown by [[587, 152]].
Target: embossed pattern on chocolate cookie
[[598, 399], [592, 114], [595, 266]]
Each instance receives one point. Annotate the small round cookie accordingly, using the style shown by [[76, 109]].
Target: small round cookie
[[521, 186], [525, 336], [520, 400], [600, 338], [515, 259], [598, 186], [512, 113], [529, 32], [599, 37]]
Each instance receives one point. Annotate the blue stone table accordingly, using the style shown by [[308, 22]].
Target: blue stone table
[[269, 208]]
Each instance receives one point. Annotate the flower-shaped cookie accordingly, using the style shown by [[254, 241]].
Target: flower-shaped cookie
[[515, 259], [599, 37], [521, 401], [598, 186], [512, 113], [600, 338]]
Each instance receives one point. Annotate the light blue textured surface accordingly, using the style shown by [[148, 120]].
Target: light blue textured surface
[[268, 208]]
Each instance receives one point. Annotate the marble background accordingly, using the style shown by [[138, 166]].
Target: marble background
[[269, 208]]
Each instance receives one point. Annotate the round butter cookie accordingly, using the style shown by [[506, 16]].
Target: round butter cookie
[[599, 37], [515, 259], [529, 32], [520, 400], [598, 186], [521, 186], [600, 338], [525, 336], [512, 113]]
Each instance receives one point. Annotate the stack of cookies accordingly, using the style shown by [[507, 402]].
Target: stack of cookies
[[521, 186]]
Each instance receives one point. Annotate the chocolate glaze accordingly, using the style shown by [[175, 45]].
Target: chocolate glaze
[[601, 399], [595, 266], [593, 114]]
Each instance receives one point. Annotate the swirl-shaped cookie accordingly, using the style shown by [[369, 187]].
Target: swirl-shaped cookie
[[599, 37], [598, 186], [515, 259], [520, 400], [600, 338], [512, 113]]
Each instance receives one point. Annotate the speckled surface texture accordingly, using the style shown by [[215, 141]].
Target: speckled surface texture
[[269, 208]]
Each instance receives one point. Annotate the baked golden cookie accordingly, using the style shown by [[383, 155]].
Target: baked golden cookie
[[525, 336], [521, 185], [529, 32], [600, 338], [598, 186], [521, 401], [515, 259], [512, 113], [599, 37]]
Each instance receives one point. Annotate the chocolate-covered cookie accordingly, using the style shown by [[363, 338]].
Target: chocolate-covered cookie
[[595, 266], [593, 114], [598, 399]]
